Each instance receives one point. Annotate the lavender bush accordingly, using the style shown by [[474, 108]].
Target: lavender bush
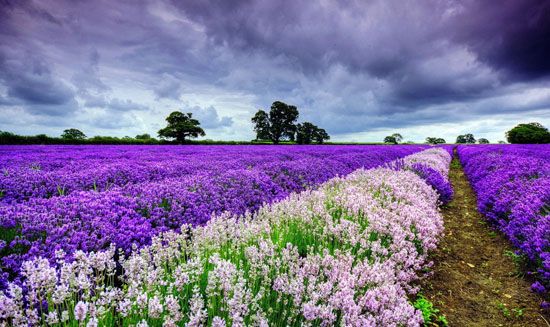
[[344, 254], [87, 197], [434, 178], [512, 183], [28, 172], [431, 165]]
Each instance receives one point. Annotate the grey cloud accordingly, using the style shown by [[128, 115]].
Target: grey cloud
[[87, 79], [107, 121], [91, 100], [168, 87], [29, 83], [112, 104], [209, 117], [32, 82], [125, 105], [349, 66]]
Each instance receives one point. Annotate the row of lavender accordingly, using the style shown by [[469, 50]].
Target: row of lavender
[[34, 171], [344, 254], [161, 189], [512, 183]]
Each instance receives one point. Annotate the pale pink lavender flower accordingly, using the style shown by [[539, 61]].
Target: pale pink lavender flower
[[81, 310], [218, 322], [155, 307], [92, 322]]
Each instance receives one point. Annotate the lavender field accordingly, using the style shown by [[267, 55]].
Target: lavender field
[[512, 183], [275, 163], [217, 235], [85, 198]]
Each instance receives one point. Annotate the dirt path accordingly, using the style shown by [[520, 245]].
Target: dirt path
[[475, 283]]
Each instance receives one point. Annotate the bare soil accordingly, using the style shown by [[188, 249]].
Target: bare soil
[[474, 282]]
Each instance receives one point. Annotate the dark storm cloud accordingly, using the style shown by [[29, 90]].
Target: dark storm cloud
[[314, 36], [382, 37], [391, 39], [29, 82], [350, 66], [383, 40], [510, 35]]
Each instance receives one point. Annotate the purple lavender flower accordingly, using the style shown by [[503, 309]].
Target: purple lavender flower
[[435, 180], [512, 183]]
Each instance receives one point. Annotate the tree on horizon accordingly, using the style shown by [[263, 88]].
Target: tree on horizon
[[279, 124], [531, 133], [180, 127], [307, 133], [466, 139], [282, 119], [73, 134], [395, 138], [261, 125], [435, 140]]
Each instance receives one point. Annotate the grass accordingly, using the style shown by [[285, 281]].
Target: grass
[[430, 314], [520, 262], [514, 313]]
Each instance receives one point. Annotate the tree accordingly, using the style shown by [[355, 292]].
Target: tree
[[466, 138], [390, 139], [73, 134], [501, 142], [278, 124], [483, 141], [435, 140], [181, 126], [532, 133], [398, 138], [143, 137], [307, 133], [320, 136], [282, 119], [395, 138], [261, 125]]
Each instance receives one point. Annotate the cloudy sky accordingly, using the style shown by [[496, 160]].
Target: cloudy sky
[[360, 69]]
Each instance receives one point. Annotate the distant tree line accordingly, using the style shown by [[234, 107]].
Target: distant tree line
[[280, 125], [142, 139], [276, 127], [531, 133], [73, 136]]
